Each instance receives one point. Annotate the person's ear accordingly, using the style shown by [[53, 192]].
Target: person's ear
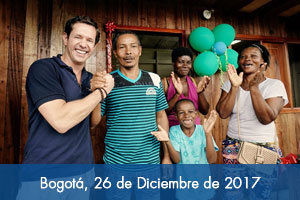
[[140, 49], [115, 53], [263, 66], [65, 38], [176, 115]]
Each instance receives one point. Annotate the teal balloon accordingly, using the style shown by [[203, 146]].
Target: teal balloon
[[232, 58], [206, 63], [202, 39], [224, 33]]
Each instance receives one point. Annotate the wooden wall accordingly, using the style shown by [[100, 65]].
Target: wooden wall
[[32, 29]]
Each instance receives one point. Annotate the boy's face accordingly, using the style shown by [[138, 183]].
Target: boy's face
[[186, 114]]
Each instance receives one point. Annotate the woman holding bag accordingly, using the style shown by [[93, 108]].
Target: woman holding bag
[[252, 101]]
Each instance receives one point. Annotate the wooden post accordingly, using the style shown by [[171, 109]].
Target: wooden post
[[109, 28]]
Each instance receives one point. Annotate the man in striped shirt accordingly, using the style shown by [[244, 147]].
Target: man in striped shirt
[[134, 108]]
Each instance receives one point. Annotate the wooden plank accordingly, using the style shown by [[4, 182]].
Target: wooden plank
[[57, 27], [45, 23], [171, 14], [151, 14], [30, 55], [291, 11], [5, 13], [187, 22], [98, 11], [178, 13], [132, 12], [161, 12], [144, 13], [195, 19], [14, 82], [254, 5]]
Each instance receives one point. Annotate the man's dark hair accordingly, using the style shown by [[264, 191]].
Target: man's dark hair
[[181, 101], [263, 50], [114, 42], [181, 51], [82, 19]]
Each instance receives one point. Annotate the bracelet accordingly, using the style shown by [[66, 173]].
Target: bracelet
[[104, 91], [102, 97]]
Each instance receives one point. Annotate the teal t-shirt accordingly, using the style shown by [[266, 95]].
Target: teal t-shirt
[[191, 149]]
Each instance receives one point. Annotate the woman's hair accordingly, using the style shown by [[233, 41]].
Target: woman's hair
[[263, 50], [182, 101], [181, 51]]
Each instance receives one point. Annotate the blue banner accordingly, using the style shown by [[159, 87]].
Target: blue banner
[[153, 182]]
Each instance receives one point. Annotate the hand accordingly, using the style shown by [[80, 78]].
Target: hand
[[202, 85], [257, 77], [98, 80], [236, 80], [110, 83], [161, 135], [209, 123], [177, 84]]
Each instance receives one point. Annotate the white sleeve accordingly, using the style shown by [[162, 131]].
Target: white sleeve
[[276, 89], [226, 86]]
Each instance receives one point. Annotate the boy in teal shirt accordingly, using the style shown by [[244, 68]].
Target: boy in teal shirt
[[190, 143]]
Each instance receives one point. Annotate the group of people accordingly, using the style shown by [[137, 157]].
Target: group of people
[[65, 101]]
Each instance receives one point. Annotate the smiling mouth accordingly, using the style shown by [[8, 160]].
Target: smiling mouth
[[187, 121], [247, 65], [81, 52]]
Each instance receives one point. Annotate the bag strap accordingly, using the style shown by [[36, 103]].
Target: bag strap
[[238, 112], [238, 119]]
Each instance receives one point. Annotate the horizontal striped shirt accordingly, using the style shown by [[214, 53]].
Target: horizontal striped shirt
[[131, 109]]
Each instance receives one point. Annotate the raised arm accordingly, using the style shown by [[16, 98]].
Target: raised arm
[[202, 102], [227, 100], [208, 126], [179, 89], [163, 136], [96, 82], [62, 115], [266, 110]]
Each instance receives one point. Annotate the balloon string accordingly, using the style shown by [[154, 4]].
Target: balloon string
[[226, 59], [221, 71]]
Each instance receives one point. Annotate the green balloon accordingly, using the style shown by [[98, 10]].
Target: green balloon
[[224, 33], [232, 58], [206, 63], [202, 39]]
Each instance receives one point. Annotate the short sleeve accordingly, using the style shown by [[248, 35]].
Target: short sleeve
[[226, 86], [43, 83], [161, 102], [276, 89], [174, 138]]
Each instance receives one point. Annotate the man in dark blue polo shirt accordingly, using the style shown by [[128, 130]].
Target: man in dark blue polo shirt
[[63, 99]]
